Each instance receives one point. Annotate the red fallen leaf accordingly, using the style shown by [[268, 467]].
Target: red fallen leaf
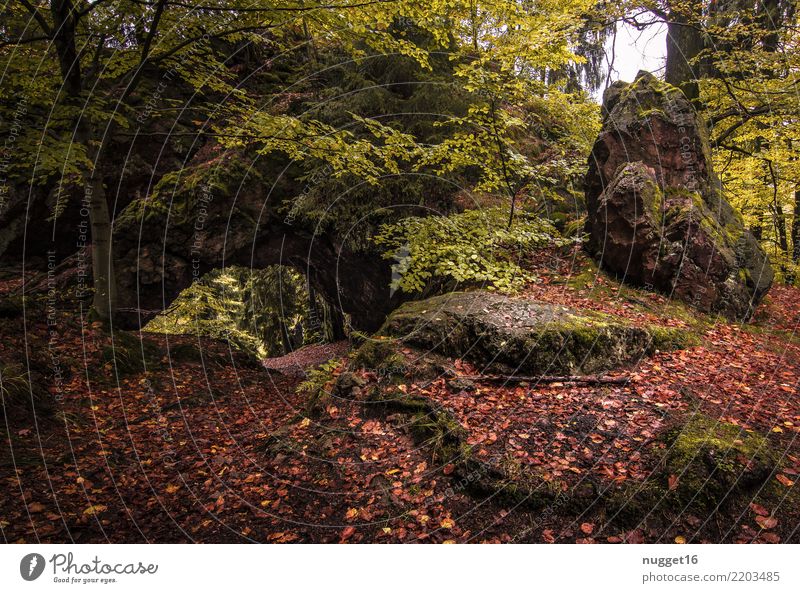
[[672, 482], [347, 533], [759, 510], [766, 522], [448, 469], [547, 536], [613, 539], [587, 528], [784, 480], [634, 537], [771, 538], [585, 540]]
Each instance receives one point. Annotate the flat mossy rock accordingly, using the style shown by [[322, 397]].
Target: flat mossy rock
[[525, 337], [656, 213]]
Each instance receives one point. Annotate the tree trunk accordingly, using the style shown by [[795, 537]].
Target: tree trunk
[[796, 228], [65, 23], [104, 303], [684, 44]]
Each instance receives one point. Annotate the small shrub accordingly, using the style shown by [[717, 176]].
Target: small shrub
[[473, 247]]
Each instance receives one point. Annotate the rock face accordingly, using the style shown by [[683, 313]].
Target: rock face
[[161, 247], [656, 213], [525, 337]]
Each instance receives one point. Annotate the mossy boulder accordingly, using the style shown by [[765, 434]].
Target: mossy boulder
[[656, 213], [511, 334], [714, 460]]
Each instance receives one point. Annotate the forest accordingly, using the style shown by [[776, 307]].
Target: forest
[[391, 271]]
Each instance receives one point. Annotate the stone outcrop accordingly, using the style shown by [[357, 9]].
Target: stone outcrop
[[525, 337], [164, 243], [656, 213]]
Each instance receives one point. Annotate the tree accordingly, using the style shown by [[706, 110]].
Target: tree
[[97, 71]]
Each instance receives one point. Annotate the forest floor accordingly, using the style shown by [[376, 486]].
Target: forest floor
[[183, 440]]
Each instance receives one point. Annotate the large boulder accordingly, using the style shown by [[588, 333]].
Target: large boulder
[[656, 213], [526, 337]]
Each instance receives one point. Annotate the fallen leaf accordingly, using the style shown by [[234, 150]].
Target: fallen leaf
[[679, 539], [672, 481], [766, 522], [587, 528]]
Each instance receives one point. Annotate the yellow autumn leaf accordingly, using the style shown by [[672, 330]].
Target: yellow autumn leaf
[[680, 539], [94, 509], [447, 523]]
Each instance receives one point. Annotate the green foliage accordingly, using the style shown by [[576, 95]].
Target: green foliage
[[276, 310], [211, 307], [320, 377], [319, 384], [18, 393], [261, 312], [14, 384], [475, 247]]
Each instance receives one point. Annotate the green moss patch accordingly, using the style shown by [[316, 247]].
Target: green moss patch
[[713, 460]]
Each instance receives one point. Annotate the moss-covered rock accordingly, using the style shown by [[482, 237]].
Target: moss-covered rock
[[524, 336], [657, 216], [128, 354], [713, 460]]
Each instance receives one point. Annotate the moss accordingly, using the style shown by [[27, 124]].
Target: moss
[[671, 338], [129, 354], [585, 278], [378, 355], [714, 460], [185, 353], [725, 234]]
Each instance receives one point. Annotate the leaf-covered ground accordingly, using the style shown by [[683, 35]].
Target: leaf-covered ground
[[205, 445]]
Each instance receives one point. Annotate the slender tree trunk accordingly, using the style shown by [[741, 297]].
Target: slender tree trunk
[[104, 303], [796, 227], [780, 228]]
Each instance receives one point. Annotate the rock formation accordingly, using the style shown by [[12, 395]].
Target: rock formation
[[656, 213], [517, 335]]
